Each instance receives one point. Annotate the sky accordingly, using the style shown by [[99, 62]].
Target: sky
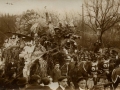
[[56, 5]]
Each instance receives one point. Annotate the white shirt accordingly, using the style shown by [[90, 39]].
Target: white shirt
[[54, 85], [81, 88], [62, 87]]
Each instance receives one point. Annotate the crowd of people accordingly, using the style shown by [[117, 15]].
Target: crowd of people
[[53, 62]]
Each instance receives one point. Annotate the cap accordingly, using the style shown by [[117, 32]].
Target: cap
[[81, 78], [35, 77], [62, 78]]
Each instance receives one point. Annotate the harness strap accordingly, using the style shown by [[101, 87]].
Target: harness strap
[[84, 67]]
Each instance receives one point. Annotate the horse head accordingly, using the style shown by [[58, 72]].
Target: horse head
[[90, 68], [94, 68], [104, 66]]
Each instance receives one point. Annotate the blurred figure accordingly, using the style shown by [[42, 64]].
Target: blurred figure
[[11, 81], [56, 72], [53, 85], [34, 83], [2, 84], [65, 67], [22, 83], [51, 80], [1, 73], [107, 86], [11, 67], [99, 86]]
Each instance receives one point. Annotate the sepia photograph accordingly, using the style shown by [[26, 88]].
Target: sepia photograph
[[59, 44]]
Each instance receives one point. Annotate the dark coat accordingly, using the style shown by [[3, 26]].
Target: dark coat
[[55, 75], [11, 67], [68, 88], [46, 88], [65, 70], [34, 87], [11, 83]]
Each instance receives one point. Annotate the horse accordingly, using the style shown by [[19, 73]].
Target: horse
[[87, 69], [115, 77], [107, 69]]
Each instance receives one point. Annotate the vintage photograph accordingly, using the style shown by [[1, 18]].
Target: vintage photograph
[[59, 44]]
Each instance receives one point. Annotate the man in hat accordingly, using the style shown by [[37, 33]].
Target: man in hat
[[62, 81], [97, 46], [65, 67], [81, 83], [34, 83], [46, 82]]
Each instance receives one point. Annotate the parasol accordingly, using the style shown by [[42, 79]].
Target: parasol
[[25, 37]]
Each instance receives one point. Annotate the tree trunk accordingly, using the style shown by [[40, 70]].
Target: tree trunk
[[100, 39]]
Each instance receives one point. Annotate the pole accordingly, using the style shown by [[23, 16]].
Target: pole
[[82, 25]]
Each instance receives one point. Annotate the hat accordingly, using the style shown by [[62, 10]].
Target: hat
[[56, 28], [57, 63], [34, 77], [46, 81], [68, 58], [22, 81], [62, 78], [81, 78]]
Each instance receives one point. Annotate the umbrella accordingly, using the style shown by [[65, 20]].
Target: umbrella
[[26, 38]]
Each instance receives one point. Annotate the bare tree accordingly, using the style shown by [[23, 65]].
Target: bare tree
[[102, 15]]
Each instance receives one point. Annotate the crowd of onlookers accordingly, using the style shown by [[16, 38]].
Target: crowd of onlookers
[[58, 77], [55, 81], [35, 82]]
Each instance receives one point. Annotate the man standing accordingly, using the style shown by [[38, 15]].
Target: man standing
[[65, 67], [56, 72]]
